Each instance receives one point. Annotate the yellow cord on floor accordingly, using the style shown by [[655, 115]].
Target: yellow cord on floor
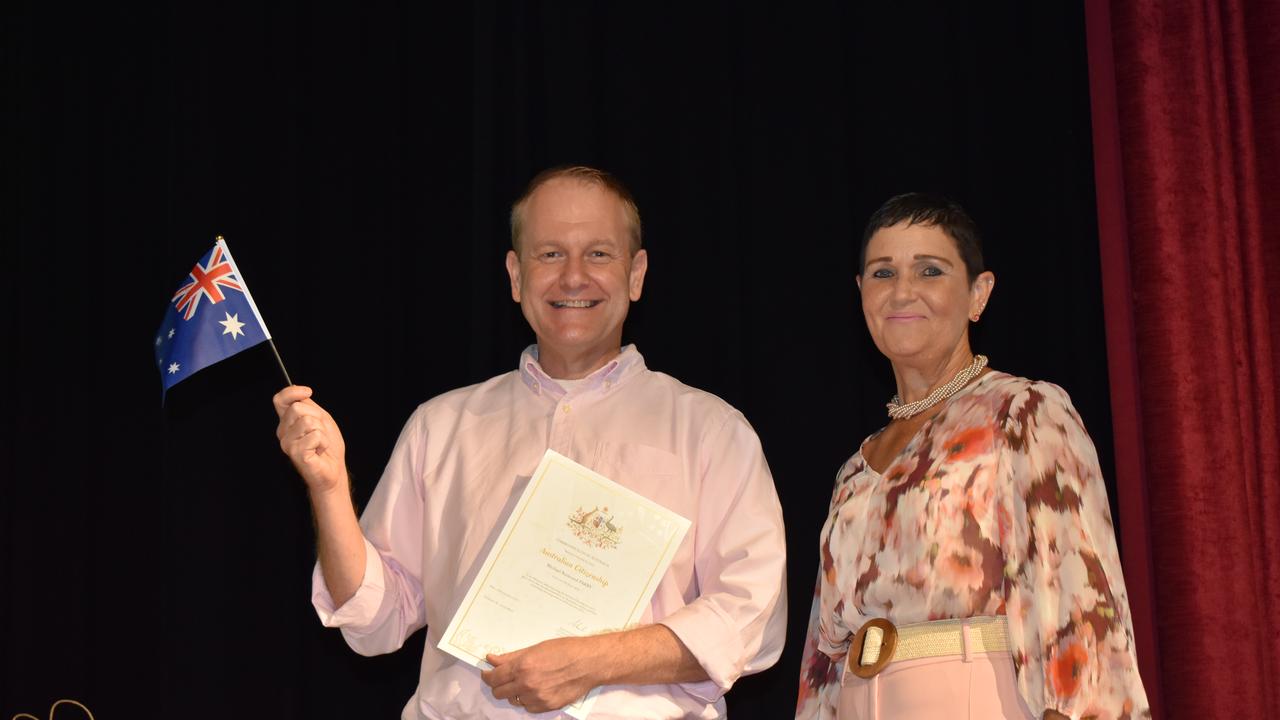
[[53, 707]]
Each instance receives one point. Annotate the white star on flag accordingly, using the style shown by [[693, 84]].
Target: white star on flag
[[173, 368], [232, 325], [170, 332]]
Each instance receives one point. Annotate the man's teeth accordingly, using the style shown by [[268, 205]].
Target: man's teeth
[[574, 303]]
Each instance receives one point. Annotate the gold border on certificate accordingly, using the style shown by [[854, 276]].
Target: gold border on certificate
[[662, 533]]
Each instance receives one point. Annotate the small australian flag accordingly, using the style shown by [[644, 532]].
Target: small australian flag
[[211, 317]]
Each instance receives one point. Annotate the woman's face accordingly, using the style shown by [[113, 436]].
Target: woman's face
[[916, 294]]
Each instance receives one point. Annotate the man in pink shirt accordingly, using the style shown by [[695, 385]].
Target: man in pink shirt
[[464, 457]]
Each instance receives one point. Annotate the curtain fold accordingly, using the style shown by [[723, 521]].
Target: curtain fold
[[1196, 132], [1122, 360]]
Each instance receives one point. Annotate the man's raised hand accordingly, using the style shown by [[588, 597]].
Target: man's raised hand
[[311, 439]]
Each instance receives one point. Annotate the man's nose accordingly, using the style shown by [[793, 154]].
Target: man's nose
[[575, 273]]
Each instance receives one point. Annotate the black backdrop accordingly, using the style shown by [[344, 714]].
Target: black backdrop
[[359, 161]]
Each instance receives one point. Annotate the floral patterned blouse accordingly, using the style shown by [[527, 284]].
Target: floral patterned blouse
[[995, 507]]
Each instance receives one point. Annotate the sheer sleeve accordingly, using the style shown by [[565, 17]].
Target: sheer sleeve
[[819, 676], [1068, 611]]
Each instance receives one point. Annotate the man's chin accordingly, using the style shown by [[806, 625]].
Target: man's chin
[[578, 344]]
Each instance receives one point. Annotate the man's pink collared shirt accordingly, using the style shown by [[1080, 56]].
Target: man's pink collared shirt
[[463, 459]]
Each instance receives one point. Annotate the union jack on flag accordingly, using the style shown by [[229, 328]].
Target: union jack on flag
[[210, 317], [207, 281]]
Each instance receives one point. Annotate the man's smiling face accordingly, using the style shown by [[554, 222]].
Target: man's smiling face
[[575, 276]]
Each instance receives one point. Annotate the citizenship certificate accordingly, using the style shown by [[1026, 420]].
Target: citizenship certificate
[[579, 555]]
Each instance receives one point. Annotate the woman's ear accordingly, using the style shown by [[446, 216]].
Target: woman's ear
[[980, 294]]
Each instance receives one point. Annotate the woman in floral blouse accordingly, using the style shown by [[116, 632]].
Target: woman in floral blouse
[[975, 523]]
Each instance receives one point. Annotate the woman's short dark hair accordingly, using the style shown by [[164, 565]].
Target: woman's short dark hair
[[935, 210]]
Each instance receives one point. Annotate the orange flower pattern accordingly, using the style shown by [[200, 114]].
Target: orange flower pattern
[[996, 506]]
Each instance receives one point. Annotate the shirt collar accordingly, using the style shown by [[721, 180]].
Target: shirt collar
[[629, 362]]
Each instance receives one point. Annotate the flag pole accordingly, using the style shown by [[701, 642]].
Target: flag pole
[[279, 362]]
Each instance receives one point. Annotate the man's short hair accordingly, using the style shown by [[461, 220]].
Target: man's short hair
[[586, 175], [929, 210]]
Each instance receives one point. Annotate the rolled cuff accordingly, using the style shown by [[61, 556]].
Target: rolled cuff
[[361, 609], [714, 641]]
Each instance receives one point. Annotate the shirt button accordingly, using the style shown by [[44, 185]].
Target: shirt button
[[566, 409], [536, 387]]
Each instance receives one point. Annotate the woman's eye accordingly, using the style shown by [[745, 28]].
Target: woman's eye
[[931, 271], [882, 273]]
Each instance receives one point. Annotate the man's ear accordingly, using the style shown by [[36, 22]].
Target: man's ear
[[513, 269], [639, 266]]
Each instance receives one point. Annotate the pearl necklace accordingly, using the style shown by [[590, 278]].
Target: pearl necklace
[[898, 411]]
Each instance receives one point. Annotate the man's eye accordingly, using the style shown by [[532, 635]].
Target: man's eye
[[550, 255], [882, 273]]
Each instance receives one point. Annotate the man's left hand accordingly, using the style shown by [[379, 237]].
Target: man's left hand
[[546, 676]]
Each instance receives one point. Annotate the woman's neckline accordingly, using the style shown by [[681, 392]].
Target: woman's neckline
[[927, 424]]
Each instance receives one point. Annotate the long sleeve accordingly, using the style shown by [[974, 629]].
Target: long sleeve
[[737, 624], [1067, 607], [388, 605], [819, 675]]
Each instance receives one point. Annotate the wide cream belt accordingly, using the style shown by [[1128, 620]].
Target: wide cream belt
[[879, 642]]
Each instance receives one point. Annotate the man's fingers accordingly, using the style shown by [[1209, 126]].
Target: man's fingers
[[293, 425], [306, 407], [303, 411], [288, 396], [305, 438], [502, 659], [303, 424], [504, 691], [308, 436], [509, 691], [501, 673], [505, 684], [311, 441]]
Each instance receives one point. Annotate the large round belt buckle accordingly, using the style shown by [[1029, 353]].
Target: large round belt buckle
[[858, 650]]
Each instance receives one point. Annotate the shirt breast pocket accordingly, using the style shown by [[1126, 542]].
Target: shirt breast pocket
[[658, 475], [636, 466], [653, 472]]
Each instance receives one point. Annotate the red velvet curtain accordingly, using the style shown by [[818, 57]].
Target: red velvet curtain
[[1186, 107]]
